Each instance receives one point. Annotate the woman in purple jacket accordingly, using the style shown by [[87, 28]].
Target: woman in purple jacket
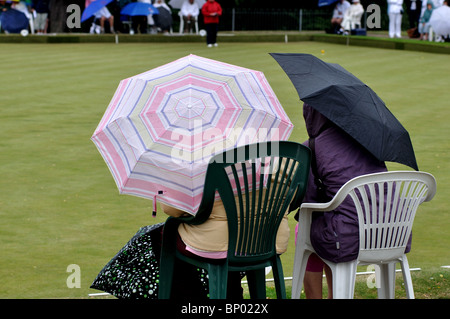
[[334, 235]]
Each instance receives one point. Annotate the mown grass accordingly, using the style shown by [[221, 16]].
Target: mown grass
[[58, 202]]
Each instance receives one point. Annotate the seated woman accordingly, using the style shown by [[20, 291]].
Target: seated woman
[[334, 235], [424, 22], [352, 17]]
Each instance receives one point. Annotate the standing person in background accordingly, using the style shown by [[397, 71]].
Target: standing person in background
[[42, 9], [211, 11], [395, 12], [413, 8], [424, 22]]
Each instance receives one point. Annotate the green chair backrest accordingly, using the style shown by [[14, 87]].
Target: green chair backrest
[[256, 183]]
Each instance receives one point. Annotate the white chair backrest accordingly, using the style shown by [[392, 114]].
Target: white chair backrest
[[386, 204]]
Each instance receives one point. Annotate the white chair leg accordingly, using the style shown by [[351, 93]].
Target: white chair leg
[[407, 278], [32, 25], [181, 25], [386, 281], [430, 34], [344, 279], [300, 262]]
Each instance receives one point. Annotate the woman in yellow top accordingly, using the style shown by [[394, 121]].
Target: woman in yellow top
[[210, 240]]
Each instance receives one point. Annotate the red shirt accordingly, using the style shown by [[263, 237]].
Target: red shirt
[[211, 7]]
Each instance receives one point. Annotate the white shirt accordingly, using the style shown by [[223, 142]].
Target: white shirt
[[189, 9], [354, 12], [395, 6], [340, 9]]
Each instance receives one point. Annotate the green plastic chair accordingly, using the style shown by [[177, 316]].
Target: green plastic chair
[[252, 224]]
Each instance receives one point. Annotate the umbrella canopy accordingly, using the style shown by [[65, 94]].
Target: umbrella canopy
[[164, 19], [177, 4], [440, 21], [323, 3], [163, 126], [350, 104], [93, 8], [139, 9], [13, 21]]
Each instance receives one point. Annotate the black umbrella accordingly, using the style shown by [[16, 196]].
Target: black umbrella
[[164, 19], [350, 104]]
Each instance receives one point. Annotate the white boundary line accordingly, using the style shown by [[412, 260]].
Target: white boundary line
[[285, 278], [358, 273]]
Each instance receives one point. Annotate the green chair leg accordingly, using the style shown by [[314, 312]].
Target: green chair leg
[[257, 283], [218, 280], [277, 270]]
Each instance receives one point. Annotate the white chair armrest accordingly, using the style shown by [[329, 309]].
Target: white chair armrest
[[321, 207]]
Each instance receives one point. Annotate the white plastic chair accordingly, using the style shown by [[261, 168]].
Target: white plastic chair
[[384, 229], [182, 23], [432, 36]]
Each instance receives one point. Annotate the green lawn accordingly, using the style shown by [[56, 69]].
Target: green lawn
[[58, 202]]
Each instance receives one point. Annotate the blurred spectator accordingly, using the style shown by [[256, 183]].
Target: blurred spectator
[[436, 4], [163, 20], [41, 8], [447, 37], [338, 15], [424, 22], [189, 12], [103, 14], [352, 17], [25, 8], [142, 23], [395, 12], [414, 8], [4, 5], [211, 11]]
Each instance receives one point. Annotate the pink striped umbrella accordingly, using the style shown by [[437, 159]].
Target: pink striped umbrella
[[162, 126]]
